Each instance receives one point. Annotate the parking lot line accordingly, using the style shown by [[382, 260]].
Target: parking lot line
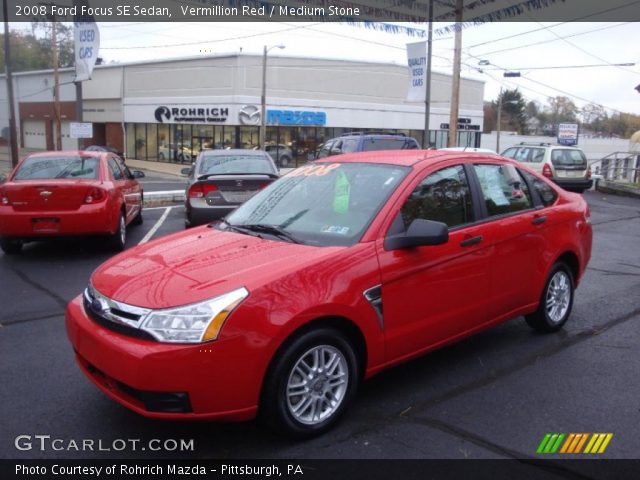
[[157, 225]]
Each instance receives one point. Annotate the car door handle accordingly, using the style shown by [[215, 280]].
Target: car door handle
[[467, 242], [539, 220]]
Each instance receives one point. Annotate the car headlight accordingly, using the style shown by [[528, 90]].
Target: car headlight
[[195, 323]]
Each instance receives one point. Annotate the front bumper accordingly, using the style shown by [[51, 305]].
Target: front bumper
[[214, 380], [87, 220]]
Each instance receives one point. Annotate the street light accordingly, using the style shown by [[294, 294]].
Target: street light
[[513, 102], [263, 112]]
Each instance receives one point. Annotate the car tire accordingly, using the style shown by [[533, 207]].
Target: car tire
[[118, 240], [10, 246], [323, 397], [556, 300], [285, 161], [138, 220]]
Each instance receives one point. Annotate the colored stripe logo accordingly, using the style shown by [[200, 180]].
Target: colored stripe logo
[[574, 443]]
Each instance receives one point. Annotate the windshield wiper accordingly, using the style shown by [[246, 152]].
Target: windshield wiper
[[207, 175], [258, 228]]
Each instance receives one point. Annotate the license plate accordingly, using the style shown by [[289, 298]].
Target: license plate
[[46, 224], [570, 173]]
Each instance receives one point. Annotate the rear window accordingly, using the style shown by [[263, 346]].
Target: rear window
[[568, 157], [229, 164], [371, 144], [40, 168]]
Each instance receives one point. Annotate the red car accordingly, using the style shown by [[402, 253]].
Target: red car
[[50, 194], [331, 274]]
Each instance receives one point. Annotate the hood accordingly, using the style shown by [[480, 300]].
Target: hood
[[199, 264]]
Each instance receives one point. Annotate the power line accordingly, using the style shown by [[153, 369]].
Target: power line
[[551, 40], [588, 53], [565, 67]]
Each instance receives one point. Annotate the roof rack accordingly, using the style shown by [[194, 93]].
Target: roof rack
[[539, 144], [350, 134]]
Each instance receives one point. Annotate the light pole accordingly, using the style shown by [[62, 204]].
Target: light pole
[[500, 119], [263, 112]]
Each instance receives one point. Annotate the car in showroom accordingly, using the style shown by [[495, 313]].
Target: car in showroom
[[564, 165], [335, 272], [221, 180], [52, 194], [366, 142]]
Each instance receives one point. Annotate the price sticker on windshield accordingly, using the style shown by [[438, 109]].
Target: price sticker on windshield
[[314, 170]]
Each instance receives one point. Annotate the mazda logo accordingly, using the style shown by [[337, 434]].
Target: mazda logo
[[162, 113], [97, 306], [249, 115]]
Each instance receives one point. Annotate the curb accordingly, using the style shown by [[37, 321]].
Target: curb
[[161, 199], [618, 189]]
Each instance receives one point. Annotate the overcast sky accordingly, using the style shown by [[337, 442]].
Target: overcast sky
[[517, 46]]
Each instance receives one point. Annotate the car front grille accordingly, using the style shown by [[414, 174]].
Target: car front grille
[[116, 316]]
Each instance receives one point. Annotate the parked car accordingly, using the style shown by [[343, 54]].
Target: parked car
[[468, 150], [221, 180], [366, 142], [282, 154], [566, 166], [105, 148], [53, 194], [336, 271]]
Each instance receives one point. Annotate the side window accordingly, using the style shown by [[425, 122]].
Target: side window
[[503, 189], [443, 196], [537, 155], [325, 151], [547, 194], [510, 152], [522, 155], [116, 172], [349, 145]]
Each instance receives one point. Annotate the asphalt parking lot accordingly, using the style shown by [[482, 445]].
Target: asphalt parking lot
[[494, 395]]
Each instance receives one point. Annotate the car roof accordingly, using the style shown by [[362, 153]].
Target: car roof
[[406, 158], [216, 152], [60, 153]]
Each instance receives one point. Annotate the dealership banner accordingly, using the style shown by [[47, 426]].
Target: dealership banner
[[87, 46], [417, 60]]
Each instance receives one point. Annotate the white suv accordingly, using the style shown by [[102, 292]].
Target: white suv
[[566, 166]]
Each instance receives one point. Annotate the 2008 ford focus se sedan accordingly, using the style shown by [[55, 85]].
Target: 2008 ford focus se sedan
[[331, 274]]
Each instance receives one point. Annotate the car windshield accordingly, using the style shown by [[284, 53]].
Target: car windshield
[[326, 204], [73, 166], [225, 164], [566, 157]]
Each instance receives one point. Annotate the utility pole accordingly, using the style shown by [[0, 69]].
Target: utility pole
[[499, 122], [78, 18], [263, 101], [455, 81], [56, 86], [427, 96], [13, 135]]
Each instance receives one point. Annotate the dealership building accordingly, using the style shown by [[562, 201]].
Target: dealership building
[[167, 110]]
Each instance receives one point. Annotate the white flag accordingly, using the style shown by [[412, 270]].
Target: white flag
[[417, 59], [87, 45]]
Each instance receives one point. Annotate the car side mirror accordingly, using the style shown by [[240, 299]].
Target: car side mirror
[[186, 171], [138, 174], [420, 233]]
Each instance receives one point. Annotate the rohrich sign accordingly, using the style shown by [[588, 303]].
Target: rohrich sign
[[191, 114]]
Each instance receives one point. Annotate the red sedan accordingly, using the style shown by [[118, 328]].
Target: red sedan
[[51, 194], [331, 274]]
